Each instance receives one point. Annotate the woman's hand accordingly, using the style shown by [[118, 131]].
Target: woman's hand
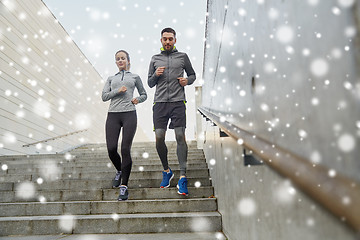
[[135, 101], [122, 89]]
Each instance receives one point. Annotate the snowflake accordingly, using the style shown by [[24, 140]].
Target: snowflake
[[67, 223], [247, 206]]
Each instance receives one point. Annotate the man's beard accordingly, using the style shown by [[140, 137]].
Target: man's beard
[[168, 48]]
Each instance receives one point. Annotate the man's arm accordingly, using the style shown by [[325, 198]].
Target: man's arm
[[152, 77], [191, 76]]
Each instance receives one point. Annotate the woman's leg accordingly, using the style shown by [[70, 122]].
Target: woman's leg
[[112, 131], [129, 129]]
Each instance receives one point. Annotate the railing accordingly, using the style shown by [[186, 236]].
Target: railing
[[340, 194], [54, 138]]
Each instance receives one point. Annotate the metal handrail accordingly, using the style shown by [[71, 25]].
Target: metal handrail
[[312, 179], [54, 138]]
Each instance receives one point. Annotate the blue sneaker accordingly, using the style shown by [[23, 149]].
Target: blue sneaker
[[182, 186], [167, 176]]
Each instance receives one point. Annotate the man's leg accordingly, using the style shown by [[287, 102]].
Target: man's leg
[[161, 147], [162, 152], [178, 118], [160, 119], [181, 150]]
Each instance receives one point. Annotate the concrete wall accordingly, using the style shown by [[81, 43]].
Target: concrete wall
[[256, 203], [288, 72], [47, 86]]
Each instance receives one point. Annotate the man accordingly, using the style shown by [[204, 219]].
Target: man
[[166, 72]]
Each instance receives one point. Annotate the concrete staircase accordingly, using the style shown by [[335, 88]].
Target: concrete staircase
[[71, 194]]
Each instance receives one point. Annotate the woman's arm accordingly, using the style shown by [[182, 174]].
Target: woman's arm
[[141, 90], [107, 92]]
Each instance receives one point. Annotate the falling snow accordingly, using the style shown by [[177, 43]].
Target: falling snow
[[285, 34], [25, 190], [4, 167], [247, 207], [145, 155], [284, 193], [346, 142], [67, 223], [50, 171], [268, 79], [200, 224]]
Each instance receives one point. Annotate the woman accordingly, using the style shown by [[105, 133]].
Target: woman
[[122, 114]]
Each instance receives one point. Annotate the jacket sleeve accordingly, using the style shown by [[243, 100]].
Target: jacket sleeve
[[107, 93], [141, 90], [191, 76], [152, 78]]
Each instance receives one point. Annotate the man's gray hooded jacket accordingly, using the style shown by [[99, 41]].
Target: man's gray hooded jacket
[[168, 88]]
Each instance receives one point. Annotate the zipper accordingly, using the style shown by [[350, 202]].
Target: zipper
[[168, 79], [122, 78]]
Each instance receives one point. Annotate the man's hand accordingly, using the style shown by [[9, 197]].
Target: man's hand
[[122, 89], [183, 81], [135, 101], [159, 71]]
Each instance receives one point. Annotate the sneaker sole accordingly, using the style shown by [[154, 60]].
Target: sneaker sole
[[169, 182], [123, 199], [180, 193], [120, 199]]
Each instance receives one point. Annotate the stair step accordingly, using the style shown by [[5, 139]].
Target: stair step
[[109, 174], [133, 149], [169, 144], [108, 194], [134, 154], [94, 167], [108, 207], [112, 223], [82, 161], [138, 155], [147, 236], [93, 183]]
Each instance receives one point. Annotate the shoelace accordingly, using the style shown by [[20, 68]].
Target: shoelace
[[122, 190], [117, 176]]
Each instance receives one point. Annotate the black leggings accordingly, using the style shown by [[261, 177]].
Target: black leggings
[[114, 122]]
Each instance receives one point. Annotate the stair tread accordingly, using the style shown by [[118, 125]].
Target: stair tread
[[137, 236], [106, 216], [110, 201]]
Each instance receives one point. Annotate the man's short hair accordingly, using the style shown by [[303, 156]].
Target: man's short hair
[[169, 30]]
